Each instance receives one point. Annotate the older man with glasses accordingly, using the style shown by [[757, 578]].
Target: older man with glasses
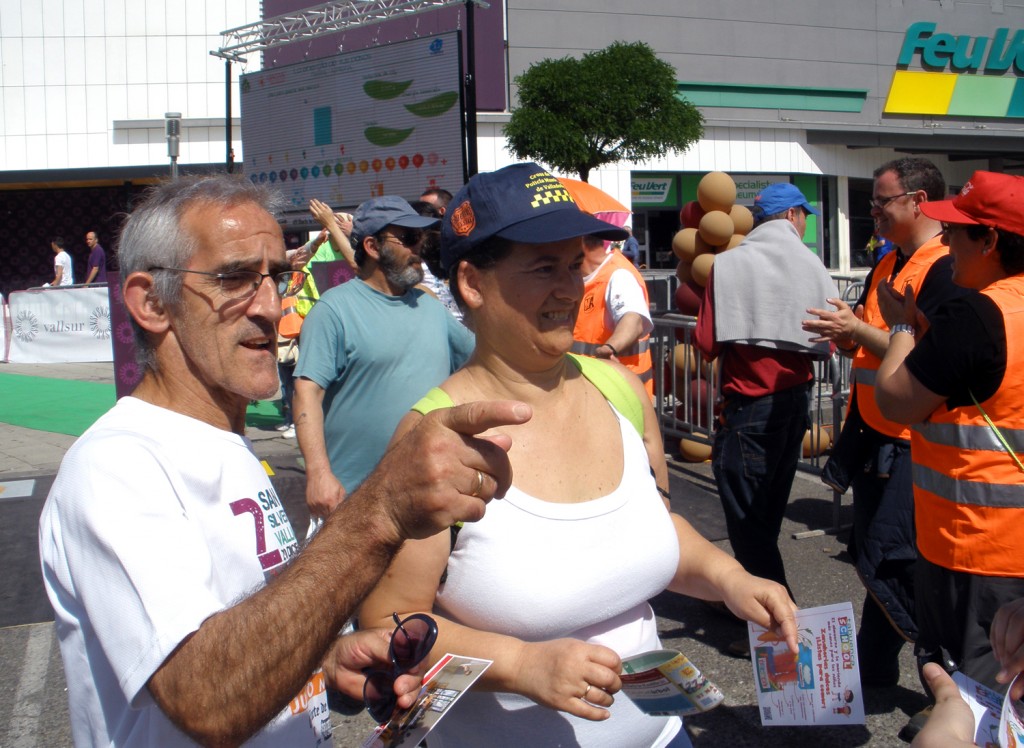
[[185, 611], [370, 349]]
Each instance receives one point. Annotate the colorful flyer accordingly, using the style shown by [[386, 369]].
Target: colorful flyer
[[819, 684], [442, 686], [986, 705], [1011, 726], [664, 682]]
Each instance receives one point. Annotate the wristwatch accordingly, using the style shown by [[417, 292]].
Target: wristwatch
[[902, 328]]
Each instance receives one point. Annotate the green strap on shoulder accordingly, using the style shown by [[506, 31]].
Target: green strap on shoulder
[[609, 382]]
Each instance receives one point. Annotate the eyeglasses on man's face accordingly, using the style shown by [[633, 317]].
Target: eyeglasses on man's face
[[408, 238], [881, 202], [242, 284]]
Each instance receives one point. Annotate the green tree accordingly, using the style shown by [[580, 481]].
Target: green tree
[[614, 104]]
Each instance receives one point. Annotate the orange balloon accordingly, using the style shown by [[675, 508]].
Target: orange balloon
[[684, 244], [816, 441], [716, 191], [694, 449], [742, 219], [703, 248], [684, 271], [716, 227], [685, 358], [734, 241], [701, 269]]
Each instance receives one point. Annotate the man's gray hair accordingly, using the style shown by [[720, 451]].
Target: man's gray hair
[[153, 236]]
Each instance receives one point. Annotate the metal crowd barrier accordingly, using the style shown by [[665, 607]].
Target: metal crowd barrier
[[686, 392]]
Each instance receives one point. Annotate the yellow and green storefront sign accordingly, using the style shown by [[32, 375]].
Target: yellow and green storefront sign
[[965, 76]]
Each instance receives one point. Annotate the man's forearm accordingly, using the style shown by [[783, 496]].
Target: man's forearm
[[244, 665], [627, 332]]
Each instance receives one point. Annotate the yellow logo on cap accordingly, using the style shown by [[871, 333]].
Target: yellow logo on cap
[[546, 197]]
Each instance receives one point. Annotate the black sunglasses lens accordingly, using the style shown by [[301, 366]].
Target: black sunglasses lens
[[412, 641], [379, 695]]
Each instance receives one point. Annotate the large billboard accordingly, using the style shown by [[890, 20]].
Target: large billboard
[[342, 129]]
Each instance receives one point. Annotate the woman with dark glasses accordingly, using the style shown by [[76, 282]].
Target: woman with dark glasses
[[553, 583]]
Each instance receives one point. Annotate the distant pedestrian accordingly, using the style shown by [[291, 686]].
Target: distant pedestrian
[[437, 197], [96, 272], [63, 275]]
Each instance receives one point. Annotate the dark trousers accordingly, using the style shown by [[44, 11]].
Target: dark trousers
[[954, 613], [756, 450], [286, 373]]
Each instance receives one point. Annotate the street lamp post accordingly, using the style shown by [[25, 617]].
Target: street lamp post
[[173, 132]]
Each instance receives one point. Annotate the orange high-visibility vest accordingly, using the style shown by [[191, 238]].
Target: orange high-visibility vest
[[590, 331], [291, 321], [968, 491], [866, 363]]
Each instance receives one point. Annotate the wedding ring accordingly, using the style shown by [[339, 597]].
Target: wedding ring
[[479, 484], [584, 696]]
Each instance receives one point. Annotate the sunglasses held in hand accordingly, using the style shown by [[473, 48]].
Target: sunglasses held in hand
[[410, 643]]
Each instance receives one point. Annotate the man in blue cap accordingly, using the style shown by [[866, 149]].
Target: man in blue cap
[[750, 319], [370, 349]]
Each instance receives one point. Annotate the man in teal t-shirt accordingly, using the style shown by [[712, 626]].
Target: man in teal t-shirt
[[370, 349]]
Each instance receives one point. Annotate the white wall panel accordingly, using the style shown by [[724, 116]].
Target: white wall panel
[[95, 17], [32, 61], [74, 61], [98, 147], [197, 54], [35, 149], [116, 61], [195, 17], [177, 97], [95, 60], [156, 16], [74, 16], [156, 59], [114, 17], [15, 153], [135, 18], [95, 116], [76, 110], [57, 151], [176, 57], [14, 112], [138, 101], [78, 151], [31, 19], [54, 21], [13, 59], [216, 16], [174, 18], [137, 59], [54, 62], [117, 103], [56, 121], [156, 96], [35, 110], [10, 18]]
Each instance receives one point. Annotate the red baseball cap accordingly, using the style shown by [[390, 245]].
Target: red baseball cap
[[988, 199]]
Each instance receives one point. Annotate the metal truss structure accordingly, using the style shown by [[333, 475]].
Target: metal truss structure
[[321, 19]]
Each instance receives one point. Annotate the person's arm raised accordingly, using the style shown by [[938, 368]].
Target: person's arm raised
[[244, 664]]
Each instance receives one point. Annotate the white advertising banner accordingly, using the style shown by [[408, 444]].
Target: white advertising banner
[[59, 325]]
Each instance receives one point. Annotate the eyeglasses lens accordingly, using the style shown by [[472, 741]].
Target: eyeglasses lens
[[410, 643]]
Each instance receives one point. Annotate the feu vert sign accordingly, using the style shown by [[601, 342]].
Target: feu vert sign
[[654, 190], [967, 76]]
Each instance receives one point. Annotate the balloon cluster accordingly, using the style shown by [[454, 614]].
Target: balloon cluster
[[712, 223]]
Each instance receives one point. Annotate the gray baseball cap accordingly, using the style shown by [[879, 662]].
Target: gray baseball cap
[[373, 215]]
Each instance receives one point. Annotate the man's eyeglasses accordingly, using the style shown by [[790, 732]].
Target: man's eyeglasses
[[241, 284], [881, 202], [410, 643], [408, 238]]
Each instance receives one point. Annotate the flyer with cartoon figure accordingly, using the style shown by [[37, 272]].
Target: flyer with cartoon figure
[[819, 684], [997, 718]]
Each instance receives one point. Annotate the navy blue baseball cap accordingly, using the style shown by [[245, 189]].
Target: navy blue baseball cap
[[778, 197], [372, 216], [521, 203]]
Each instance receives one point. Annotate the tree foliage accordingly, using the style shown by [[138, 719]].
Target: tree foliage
[[614, 104]]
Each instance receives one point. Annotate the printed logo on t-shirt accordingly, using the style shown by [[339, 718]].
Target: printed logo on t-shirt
[[275, 540]]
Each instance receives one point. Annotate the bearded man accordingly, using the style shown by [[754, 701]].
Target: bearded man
[[370, 349]]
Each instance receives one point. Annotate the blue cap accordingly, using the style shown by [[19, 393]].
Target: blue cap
[[373, 215], [521, 203], [778, 197]]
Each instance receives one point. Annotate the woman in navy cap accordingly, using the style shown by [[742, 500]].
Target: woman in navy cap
[[553, 583]]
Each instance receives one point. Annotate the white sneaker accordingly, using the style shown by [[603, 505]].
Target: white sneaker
[[289, 433], [282, 427]]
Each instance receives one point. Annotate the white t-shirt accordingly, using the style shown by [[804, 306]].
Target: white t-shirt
[[540, 570], [155, 522], [63, 260], [623, 295]]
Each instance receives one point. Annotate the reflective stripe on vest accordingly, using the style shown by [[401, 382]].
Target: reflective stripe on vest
[[865, 363], [590, 331], [968, 492]]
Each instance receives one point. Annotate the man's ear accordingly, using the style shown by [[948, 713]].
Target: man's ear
[[468, 276], [142, 303], [372, 247]]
